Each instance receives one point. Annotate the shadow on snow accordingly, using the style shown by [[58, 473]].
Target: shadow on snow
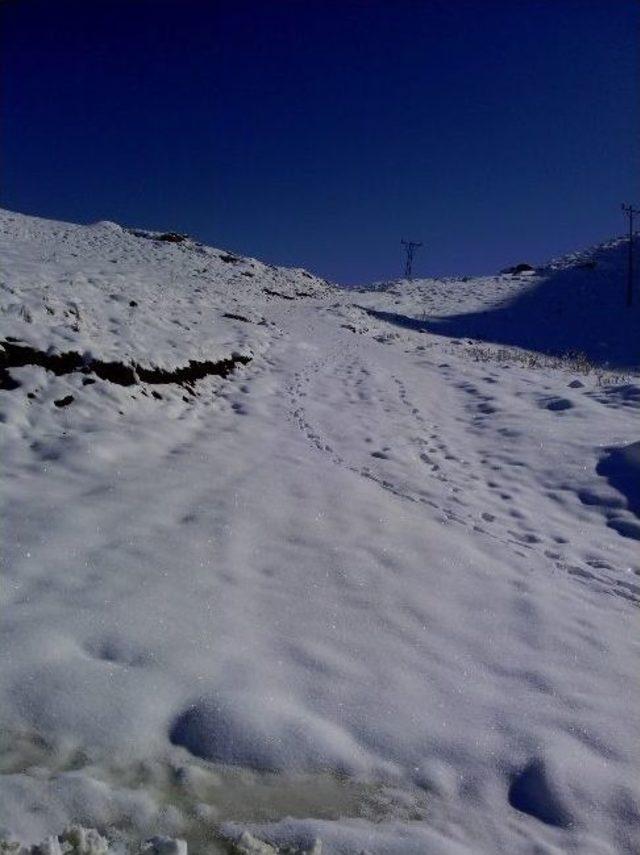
[[577, 310]]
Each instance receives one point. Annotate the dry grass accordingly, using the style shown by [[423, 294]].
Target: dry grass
[[574, 362]]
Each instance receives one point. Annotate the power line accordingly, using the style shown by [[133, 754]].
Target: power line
[[410, 248], [630, 211]]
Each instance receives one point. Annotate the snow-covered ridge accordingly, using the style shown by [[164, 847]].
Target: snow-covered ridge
[[605, 253]]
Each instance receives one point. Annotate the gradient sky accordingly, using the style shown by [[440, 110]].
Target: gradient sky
[[316, 133]]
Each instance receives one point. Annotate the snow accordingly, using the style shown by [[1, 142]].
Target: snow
[[375, 589], [575, 304]]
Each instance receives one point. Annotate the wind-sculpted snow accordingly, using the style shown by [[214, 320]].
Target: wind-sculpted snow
[[374, 590]]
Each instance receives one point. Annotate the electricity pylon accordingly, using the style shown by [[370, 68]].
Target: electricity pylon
[[410, 247], [630, 211]]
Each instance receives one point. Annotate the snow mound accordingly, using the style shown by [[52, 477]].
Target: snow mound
[[264, 736]]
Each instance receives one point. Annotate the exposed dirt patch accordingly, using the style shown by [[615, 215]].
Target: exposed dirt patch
[[172, 237], [16, 355], [64, 402], [235, 317], [193, 371], [277, 294], [123, 374], [114, 372]]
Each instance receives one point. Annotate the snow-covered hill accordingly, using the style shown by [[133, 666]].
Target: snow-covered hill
[[133, 296], [573, 305], [307, 565]]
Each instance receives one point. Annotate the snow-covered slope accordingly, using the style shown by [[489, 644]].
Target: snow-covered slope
[[129, 295], [367, 585], [576, 305]]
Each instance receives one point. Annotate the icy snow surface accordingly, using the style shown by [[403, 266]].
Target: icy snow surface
[[375, 589]]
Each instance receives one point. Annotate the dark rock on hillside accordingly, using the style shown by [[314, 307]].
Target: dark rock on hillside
[[172, 237], [523, 267]]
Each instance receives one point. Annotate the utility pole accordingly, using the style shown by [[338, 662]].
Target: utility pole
[[410, 247], [630, 211]]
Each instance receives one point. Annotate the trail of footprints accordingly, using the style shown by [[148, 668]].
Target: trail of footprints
[[520, 534], [598, 573], [450, 479], [432, 451]]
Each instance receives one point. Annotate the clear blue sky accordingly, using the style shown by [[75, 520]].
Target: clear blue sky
[[319, 132]]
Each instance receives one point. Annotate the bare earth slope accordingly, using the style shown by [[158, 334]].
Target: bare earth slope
[[295, 568]]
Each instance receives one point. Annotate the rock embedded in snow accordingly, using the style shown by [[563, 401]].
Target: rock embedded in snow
[[517, 269]]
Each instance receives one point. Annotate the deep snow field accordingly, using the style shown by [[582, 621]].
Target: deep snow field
[[287, 567]]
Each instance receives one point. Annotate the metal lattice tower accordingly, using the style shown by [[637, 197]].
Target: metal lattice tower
[[631, 212], [410, 248]]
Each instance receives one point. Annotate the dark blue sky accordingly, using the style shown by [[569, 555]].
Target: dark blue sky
[[318, 133]]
